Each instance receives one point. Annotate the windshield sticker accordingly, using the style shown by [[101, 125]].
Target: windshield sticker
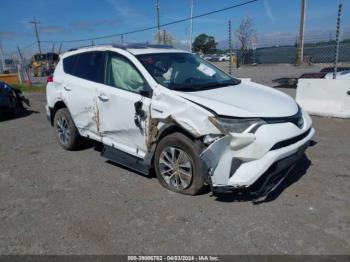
[[206, 70]]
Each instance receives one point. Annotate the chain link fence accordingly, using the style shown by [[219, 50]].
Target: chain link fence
[[321, 52]]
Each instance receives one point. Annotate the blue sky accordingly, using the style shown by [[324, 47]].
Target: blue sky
[[75, 19]]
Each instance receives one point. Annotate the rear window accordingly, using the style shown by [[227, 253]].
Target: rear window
[[89, 66]]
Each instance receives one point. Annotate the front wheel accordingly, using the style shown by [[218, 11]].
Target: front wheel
[[178, 165]]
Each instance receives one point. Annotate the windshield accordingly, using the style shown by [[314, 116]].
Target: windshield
[[185, 72], [39, 57]]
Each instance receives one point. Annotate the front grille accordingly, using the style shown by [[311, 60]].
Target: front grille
[[290, 141], [296, 119]]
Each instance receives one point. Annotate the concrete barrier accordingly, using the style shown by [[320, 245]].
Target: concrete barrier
[[324, 97]]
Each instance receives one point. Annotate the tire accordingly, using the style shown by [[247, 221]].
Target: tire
[[186, 152], [67, 134]]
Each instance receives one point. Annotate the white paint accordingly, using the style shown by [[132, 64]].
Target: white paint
[[324, 97], [107, 113], [255, 154], [247, 99]]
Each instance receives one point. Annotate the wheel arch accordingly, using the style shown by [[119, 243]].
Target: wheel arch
[[168, 129], [58, 105]]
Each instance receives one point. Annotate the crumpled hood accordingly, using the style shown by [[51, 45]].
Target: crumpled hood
[[248, 99]]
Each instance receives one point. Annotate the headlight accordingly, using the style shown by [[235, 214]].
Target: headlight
[[239, 125]]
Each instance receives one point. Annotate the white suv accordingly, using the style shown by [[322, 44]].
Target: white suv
[[163, 109]]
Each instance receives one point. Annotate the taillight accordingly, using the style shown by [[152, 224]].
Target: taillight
[[49, 79]]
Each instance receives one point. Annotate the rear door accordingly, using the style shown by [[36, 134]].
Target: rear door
[[123, 87], [83, 72]]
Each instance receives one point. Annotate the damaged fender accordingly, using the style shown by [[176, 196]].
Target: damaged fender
[[167, 107]]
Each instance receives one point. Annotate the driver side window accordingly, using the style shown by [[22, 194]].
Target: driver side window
[[122, 74]]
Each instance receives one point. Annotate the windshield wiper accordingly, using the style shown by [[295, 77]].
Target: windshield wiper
[[186, 88], [202, 87], [216, 85]]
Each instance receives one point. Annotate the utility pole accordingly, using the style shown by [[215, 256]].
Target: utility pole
[[60, 49], [191, 26], [35, 23], [158, 23], [336, 58], [158, 20], [229, 47], [300, 59], [2, 59], [164, 37]]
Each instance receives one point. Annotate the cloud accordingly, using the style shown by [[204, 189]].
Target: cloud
[[51, 29], [11, 34], [268, 10], [85, 25], [123, 10], [129, 14]]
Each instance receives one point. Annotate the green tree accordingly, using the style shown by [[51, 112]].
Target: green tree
[[205, 44]]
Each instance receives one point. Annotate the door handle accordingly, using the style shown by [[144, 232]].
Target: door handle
[[67, 88], [103, 97]]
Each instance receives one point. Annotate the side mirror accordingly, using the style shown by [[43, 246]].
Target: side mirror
[[147, 92]]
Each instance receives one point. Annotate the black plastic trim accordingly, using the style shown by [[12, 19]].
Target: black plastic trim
[[290, 141], [235, 164]]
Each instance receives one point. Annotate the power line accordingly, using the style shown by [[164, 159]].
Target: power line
[[22, 48], [153, 27], [29, 45]]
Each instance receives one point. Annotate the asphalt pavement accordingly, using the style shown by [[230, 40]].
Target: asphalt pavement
[[58, 202]]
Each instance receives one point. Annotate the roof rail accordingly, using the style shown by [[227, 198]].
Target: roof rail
[[126, 46], [141, 45]]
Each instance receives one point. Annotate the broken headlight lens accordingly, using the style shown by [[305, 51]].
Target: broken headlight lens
[[240, 125]]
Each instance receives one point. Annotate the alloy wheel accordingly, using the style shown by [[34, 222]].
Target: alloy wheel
[[175, 166]]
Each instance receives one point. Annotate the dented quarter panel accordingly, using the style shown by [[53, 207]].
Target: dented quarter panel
[[67, 89]]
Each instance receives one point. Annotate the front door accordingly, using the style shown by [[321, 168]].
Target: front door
[[116, 106]]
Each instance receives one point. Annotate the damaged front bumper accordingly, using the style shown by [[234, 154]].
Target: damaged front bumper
[[238, 161]]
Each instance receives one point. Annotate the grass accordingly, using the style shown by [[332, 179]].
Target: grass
[[30, 89]]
